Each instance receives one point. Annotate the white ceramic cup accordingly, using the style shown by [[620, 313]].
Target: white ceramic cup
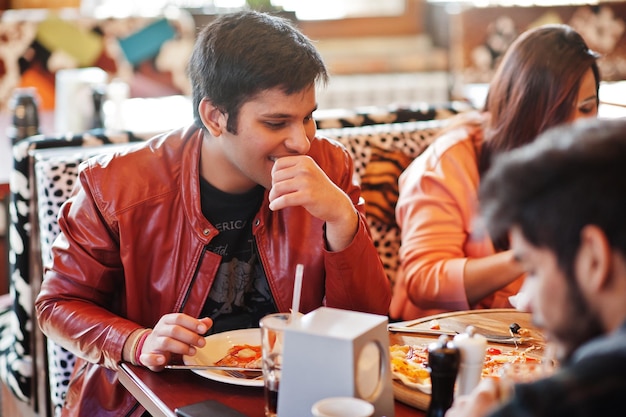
[[342, 407]]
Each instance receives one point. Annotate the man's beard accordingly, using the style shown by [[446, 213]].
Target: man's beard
[[582, 326]]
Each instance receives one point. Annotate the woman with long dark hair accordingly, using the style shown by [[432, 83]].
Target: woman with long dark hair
[[548, 76]]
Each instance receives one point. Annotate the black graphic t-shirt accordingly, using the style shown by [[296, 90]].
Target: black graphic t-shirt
[[240, 294]]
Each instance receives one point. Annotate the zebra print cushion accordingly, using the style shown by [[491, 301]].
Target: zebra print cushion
[[16, 339], [366, 116]]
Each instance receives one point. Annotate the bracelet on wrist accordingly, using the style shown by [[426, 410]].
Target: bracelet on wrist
[[135, 352]]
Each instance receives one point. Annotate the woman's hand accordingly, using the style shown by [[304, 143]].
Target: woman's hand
[[174, 333]]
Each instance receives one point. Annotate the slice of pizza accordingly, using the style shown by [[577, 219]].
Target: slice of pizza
[[242, 356], [409, 363]]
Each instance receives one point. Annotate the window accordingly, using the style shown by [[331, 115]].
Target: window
[[304, 9], [338, 9]]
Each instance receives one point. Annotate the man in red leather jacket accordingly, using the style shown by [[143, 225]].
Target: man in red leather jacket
[[200, 229]]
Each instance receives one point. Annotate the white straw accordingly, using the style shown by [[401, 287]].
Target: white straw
[[297, 289]]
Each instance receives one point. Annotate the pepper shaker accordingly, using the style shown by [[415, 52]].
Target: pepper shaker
[[473, 348], [25, 107], [443, 361]]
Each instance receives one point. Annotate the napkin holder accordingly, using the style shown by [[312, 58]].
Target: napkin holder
[[331, 353], [74, 107]]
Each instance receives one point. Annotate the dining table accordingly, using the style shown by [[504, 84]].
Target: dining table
[[161, 393]]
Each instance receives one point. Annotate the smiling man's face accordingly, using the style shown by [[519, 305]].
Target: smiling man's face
[[271, 125]]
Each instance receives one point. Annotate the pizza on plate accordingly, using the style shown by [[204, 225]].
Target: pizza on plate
[[242, 356]]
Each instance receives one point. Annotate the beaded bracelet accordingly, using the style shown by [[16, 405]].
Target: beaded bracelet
[[141, 339], [133, 349]]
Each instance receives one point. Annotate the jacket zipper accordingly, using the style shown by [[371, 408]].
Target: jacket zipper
[[262, 262], [193, 280]]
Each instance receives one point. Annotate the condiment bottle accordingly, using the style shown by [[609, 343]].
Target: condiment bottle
[[443, 361], [25, 107], [473, 348], [98, 96]]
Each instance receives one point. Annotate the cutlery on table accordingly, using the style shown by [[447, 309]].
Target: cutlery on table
[[234, 371], [495, 338], [213, 368]]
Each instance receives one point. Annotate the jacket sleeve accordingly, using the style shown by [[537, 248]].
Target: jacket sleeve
[[355, 278], [82, 288], [436, 208]]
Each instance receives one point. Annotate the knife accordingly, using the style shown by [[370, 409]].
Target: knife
[[490, 337], [426, 332], [213, 368]]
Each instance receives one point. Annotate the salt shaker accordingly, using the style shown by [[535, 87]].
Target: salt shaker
[[473, 348], [443, 361]]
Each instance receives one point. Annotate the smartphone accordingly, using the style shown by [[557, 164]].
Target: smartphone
[[208, 408]]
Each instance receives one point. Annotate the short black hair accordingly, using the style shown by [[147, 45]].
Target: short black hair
[[238, 55], [572, 176]]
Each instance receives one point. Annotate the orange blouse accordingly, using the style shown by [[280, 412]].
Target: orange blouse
[[437, 213]]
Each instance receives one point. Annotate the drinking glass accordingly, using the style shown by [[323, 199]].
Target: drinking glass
[[272, 333]]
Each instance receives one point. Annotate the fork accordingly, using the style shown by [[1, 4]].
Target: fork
[[234, 371], [242, 375]]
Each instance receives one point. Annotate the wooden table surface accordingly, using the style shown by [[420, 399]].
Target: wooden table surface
[[162, 392]]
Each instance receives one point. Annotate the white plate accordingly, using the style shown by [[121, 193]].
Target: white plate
[[217, 346]]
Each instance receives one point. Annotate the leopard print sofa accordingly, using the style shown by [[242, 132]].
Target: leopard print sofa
[[380, 152]]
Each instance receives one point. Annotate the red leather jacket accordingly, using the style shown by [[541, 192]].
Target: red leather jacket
[[132, 248]]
